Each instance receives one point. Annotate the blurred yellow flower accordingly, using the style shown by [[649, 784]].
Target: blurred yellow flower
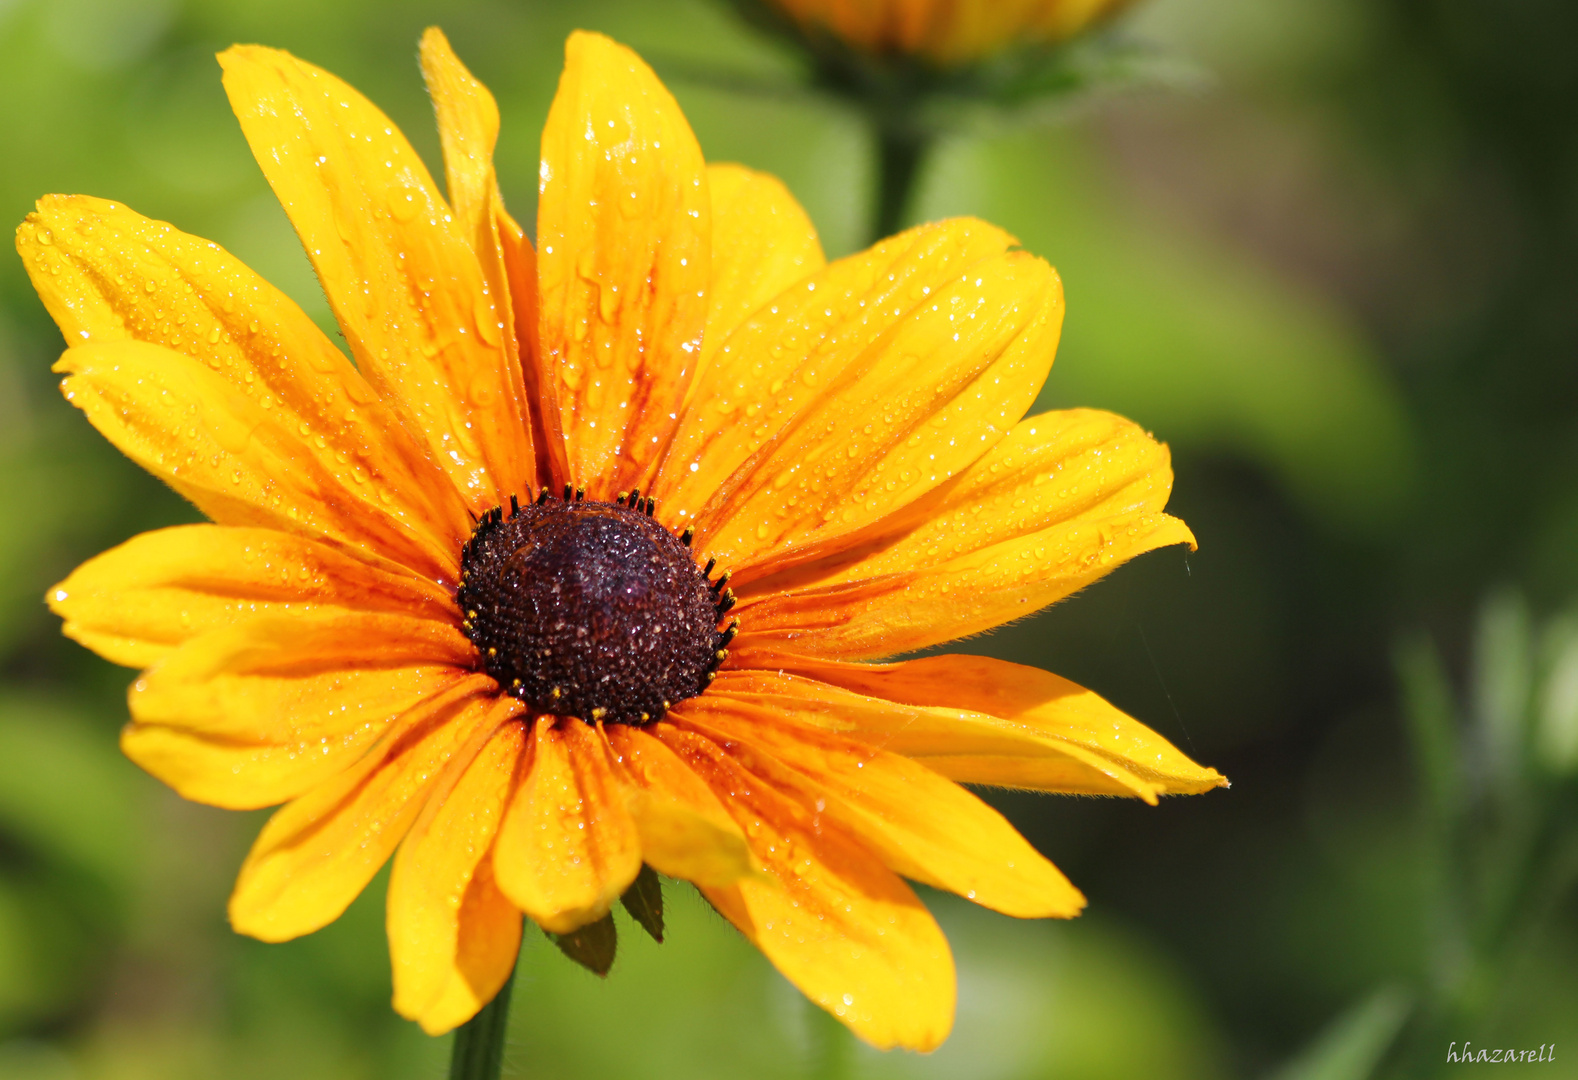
[[948, 32], [452, 607]]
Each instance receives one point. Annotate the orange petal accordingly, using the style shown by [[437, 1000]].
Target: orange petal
[[259, 712], [838, 924], [453, 936], [762, 243], [318, 852], [402, 277], [135, 603], [685, 831], [978, 720], [815, 421], [623, 247], [921, 825], [268, 375], [1063, 500], [568, 847]]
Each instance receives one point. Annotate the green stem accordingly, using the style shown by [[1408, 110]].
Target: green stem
[[479, 1042], [901, 151]]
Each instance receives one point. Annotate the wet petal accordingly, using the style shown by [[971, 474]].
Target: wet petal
[[318, 852], [259, 712], [623, 252], [978, 720], [762, 243], [685, 831], [568, 847], [838, 924], [859, 390], [1062, 501], [921, 825], [453, 936], [265, 374], [403, 280], [520, 266], [135, 603], [468, 128]]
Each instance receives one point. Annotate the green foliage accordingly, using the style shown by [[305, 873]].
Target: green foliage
[[1352, 1047], [1178, 329], [1496, 806]]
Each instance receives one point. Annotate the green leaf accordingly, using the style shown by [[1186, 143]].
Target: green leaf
[[644, 901], [1354, 1044], [592, 946]]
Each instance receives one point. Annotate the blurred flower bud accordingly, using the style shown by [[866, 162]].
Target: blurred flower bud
[[947, 33]]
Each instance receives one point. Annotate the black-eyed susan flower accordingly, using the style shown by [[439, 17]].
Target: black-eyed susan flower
[[947, 32], [578, 565]]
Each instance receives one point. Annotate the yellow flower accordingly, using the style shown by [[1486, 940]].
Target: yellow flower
[[947, 32], [451, 607]]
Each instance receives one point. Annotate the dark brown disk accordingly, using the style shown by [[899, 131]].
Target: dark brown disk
[[589, 609]]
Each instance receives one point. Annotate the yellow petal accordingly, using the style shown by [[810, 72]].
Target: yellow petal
[[685, 831], [453, 936], [861, 389], [468, 129], [111, 276], [623, 247], [402, 278], [1065, 499], [980, 721], [135, 603], [921, 825], [318, 852], [227, 453], [838, 924], [259, 712], [762, 243], [520, 267], [568, 847]]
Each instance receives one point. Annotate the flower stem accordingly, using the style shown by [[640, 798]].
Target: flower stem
[[479, 1042], [901, 151]]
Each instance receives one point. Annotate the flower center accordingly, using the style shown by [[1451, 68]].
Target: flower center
[[591, 609]]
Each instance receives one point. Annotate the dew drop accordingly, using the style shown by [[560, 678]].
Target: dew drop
[[402, 206]]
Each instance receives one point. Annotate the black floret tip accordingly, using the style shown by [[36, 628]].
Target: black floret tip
[[592, 609]]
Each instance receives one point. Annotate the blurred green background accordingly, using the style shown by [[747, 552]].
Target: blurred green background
[[1337, 271]]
